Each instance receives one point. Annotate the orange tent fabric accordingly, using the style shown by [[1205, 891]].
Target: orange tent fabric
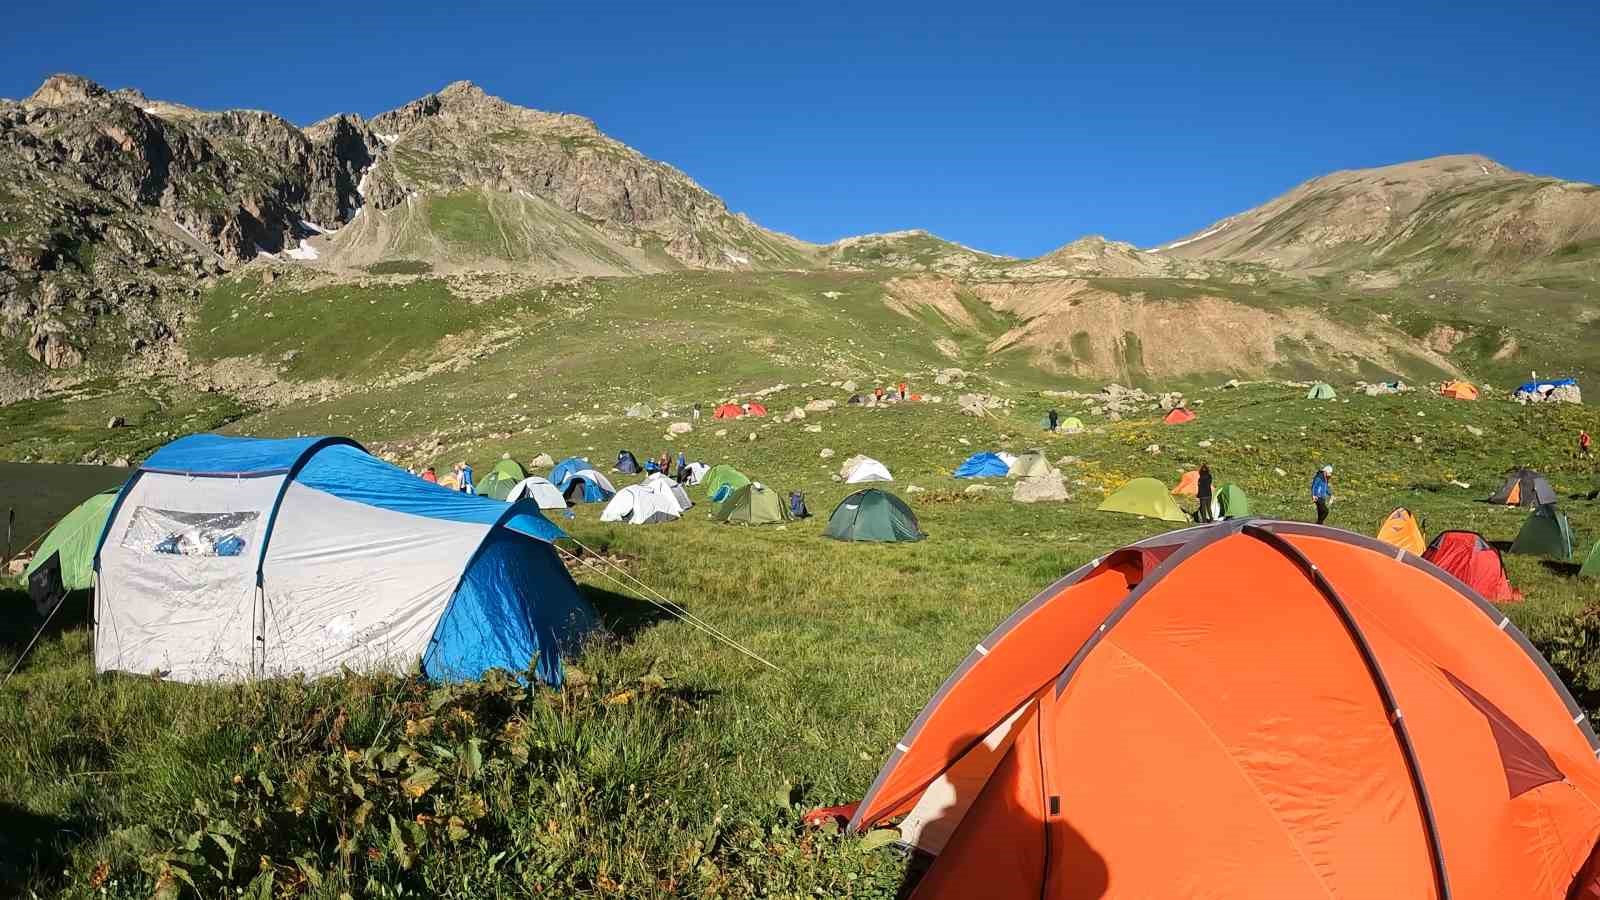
[[1217, 712], [1459, 390], [1188, 485], [728, 411], [1400, 529], [1179, 416], [755, 409]]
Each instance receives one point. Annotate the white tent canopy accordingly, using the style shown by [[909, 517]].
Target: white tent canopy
[[868, 469], [658, 482], [540, 491], [639, 504], [697, 472]]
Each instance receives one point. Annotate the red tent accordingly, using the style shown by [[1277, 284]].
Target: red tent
[[728, 411], [1179, 416], [755, 409], [1467, 556]]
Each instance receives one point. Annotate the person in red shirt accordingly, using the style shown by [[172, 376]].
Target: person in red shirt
[[902, 390], [428, 475], [1584, 442]]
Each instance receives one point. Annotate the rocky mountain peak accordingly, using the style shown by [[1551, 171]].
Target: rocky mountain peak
[[63, 89]]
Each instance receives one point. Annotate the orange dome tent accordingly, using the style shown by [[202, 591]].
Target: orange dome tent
[[728, 411], [1459, 390], [1179, 416], [1188, 485], [1401, 530], [755, 409], [1143, 728]]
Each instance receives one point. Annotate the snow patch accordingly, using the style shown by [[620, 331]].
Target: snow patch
[[361, 186], [1204, 234], [264, 252], [304, 251], [388, 138], [312, 226], [735, 258]]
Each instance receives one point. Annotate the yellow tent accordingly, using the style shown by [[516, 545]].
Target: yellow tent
[[1459, 390], [1401, 530]]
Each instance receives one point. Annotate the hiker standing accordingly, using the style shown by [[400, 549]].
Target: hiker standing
[[466, 479], [877, 393], [1055, 420], [1584, 442], [664, 463], [1204, 493], [903, 387], [695, 413], [1322, 492]]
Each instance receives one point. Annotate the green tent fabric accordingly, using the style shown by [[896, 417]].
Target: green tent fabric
[[1071, 423], [1146, 497], [75, 538], [1545, 533], [873, 515], [753, 504], [505, 475], [1321, 391], [1234, 501], [723, 474], [1591, 566]]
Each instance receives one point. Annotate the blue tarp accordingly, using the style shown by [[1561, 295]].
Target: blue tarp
[[1539, 387], [983, 465]]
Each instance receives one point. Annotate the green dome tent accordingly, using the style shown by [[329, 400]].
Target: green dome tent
[[1591, 566], [723, 476], [752, 504], [1321, 391], [1545, 533], [873, 515], [1071, 424], [1235, 503], [505, 475], [1146, 497], [75, 538]]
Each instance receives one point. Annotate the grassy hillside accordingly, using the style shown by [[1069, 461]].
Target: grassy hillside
[[679, 767]]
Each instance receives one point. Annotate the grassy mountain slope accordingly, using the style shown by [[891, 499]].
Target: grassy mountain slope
[[1451, 215]]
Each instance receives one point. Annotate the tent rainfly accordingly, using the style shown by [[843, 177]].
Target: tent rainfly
[[75, 538], [753, 504], [866, 470], [722, 480], [1524, 487], [1400, 529], [229, 558], [1546, 533], [983, 465], [1029, 465], [1248, 749], [540, 491], [1459, 390], [505, 475], [1146, 497], [873, 515], [1473, 561], [1179, 416], [1321, 391]]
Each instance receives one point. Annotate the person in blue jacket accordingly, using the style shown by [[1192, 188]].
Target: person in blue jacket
[[1322, 492]]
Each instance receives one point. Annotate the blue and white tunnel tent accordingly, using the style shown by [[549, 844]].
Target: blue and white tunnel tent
[[226, 558]]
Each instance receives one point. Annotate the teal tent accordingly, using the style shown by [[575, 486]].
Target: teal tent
[[873, 515]]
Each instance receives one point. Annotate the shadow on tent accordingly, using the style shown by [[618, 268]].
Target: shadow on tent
[[20, 621], [622, 615], [1564, 569], [35, 847]]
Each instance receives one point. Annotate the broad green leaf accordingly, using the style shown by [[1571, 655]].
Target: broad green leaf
[[419, 781], [225, 844], [880, 837], [309, 870], [473, 758], [260, 887]]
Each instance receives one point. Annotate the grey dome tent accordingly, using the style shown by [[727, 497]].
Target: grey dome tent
[[626, 463], [1524, 487]]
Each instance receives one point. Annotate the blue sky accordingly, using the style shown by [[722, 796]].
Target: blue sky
[[1010, 127]]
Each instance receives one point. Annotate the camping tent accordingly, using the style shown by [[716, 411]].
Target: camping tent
[[642, 504], [1400, 529], [501, 479], [1459, 390], [585, 486], [1179, 416], [752, 504], [540, 491], [697, 473], [1473, 561], [983, 465], [1144, 497], [754, 409], [1233, 501], [1071, 424], [663, 483], [1142, 728], [1545, 533], [1591, 566], [627, 464], [229, 558], [1188, 485], [1030, 464], [856, 400], [722, 480], [1542, 388], [1524, 487], [728, 411], [873, 515], [1321, 391], [568, 466], [868, 469], [75, 537]]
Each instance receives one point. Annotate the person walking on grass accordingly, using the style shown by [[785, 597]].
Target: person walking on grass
[[1204, 493], [1055, 420], [1585, 448], [695, 413], [1322, 492]]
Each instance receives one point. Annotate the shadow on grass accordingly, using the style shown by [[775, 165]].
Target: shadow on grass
[[1503, 546], [35, 847], [622, 615], [19, 621], [1564, 569]]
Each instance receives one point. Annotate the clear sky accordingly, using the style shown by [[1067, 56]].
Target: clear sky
[[1012, 127]]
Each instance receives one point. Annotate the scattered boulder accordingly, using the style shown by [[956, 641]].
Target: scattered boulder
[[915, 489], [1567, 393], [1204, 445], [117, 422], [1474, 430], [121, 462], [849, 387], [753, 436], [825, 453], [1041, 488], [542, 461], [679, 428], [639, 411], [1153, 449], [512, 396], [820, 405], [1068, 461], [976, 489], [721, 432], [1280, 473], [813, 429]]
